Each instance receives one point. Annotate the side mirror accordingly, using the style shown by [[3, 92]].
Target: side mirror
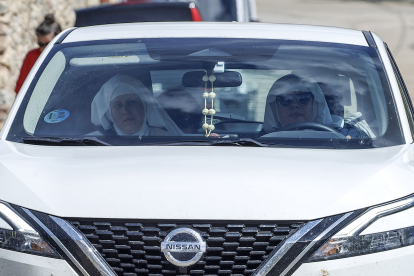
[[226, 79]]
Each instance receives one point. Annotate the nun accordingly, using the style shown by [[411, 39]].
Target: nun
[[293, 99], [126, 107]]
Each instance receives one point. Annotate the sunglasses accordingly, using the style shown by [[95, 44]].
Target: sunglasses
[[42, 44], [303, 98]]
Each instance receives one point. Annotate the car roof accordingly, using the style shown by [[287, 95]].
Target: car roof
[[218, 30]]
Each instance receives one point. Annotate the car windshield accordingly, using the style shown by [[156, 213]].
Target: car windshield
[[211, 91]]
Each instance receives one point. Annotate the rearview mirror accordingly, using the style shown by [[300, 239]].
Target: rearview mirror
[[226, 79]]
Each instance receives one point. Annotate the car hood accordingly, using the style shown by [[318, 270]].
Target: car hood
[[217, 183]]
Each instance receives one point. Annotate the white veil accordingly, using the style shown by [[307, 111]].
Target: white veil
[[290, 83], [155, 115]]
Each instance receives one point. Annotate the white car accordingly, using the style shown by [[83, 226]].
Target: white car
[[209, 149]]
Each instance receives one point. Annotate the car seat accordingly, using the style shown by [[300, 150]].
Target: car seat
[[182, 108]]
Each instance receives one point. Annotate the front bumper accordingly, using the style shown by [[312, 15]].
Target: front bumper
[[394, 262]]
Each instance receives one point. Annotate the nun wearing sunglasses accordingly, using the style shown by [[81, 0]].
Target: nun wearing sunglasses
[[294, 99]]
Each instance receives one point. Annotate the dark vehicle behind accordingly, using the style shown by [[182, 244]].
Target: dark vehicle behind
[[166, 11]]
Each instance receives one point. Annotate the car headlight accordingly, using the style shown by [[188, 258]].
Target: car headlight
[[347, 242], [16, 234]]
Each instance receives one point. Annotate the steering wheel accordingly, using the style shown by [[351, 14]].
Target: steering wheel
[[309, 125]]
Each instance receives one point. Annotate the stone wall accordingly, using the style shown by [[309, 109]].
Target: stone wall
[[18, 21]]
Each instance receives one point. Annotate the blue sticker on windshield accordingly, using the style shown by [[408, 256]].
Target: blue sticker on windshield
[[56, 116]]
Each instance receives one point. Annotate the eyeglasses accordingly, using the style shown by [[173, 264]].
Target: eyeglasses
[[42, 44], [303, 98]]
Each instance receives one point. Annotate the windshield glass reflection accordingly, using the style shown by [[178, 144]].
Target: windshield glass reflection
[[168, 90]]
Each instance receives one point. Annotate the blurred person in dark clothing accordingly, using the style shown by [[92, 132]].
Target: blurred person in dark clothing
[[45, 32]]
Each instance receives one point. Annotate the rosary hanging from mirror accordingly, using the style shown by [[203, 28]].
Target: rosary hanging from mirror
[[206, 126]]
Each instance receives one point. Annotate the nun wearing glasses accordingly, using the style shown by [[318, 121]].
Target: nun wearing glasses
[[294, 99]]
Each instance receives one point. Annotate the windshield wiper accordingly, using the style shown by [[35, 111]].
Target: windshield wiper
[[58, 141], [241, 142], [248, 142]]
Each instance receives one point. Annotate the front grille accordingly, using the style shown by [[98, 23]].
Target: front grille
[[133, 247]]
